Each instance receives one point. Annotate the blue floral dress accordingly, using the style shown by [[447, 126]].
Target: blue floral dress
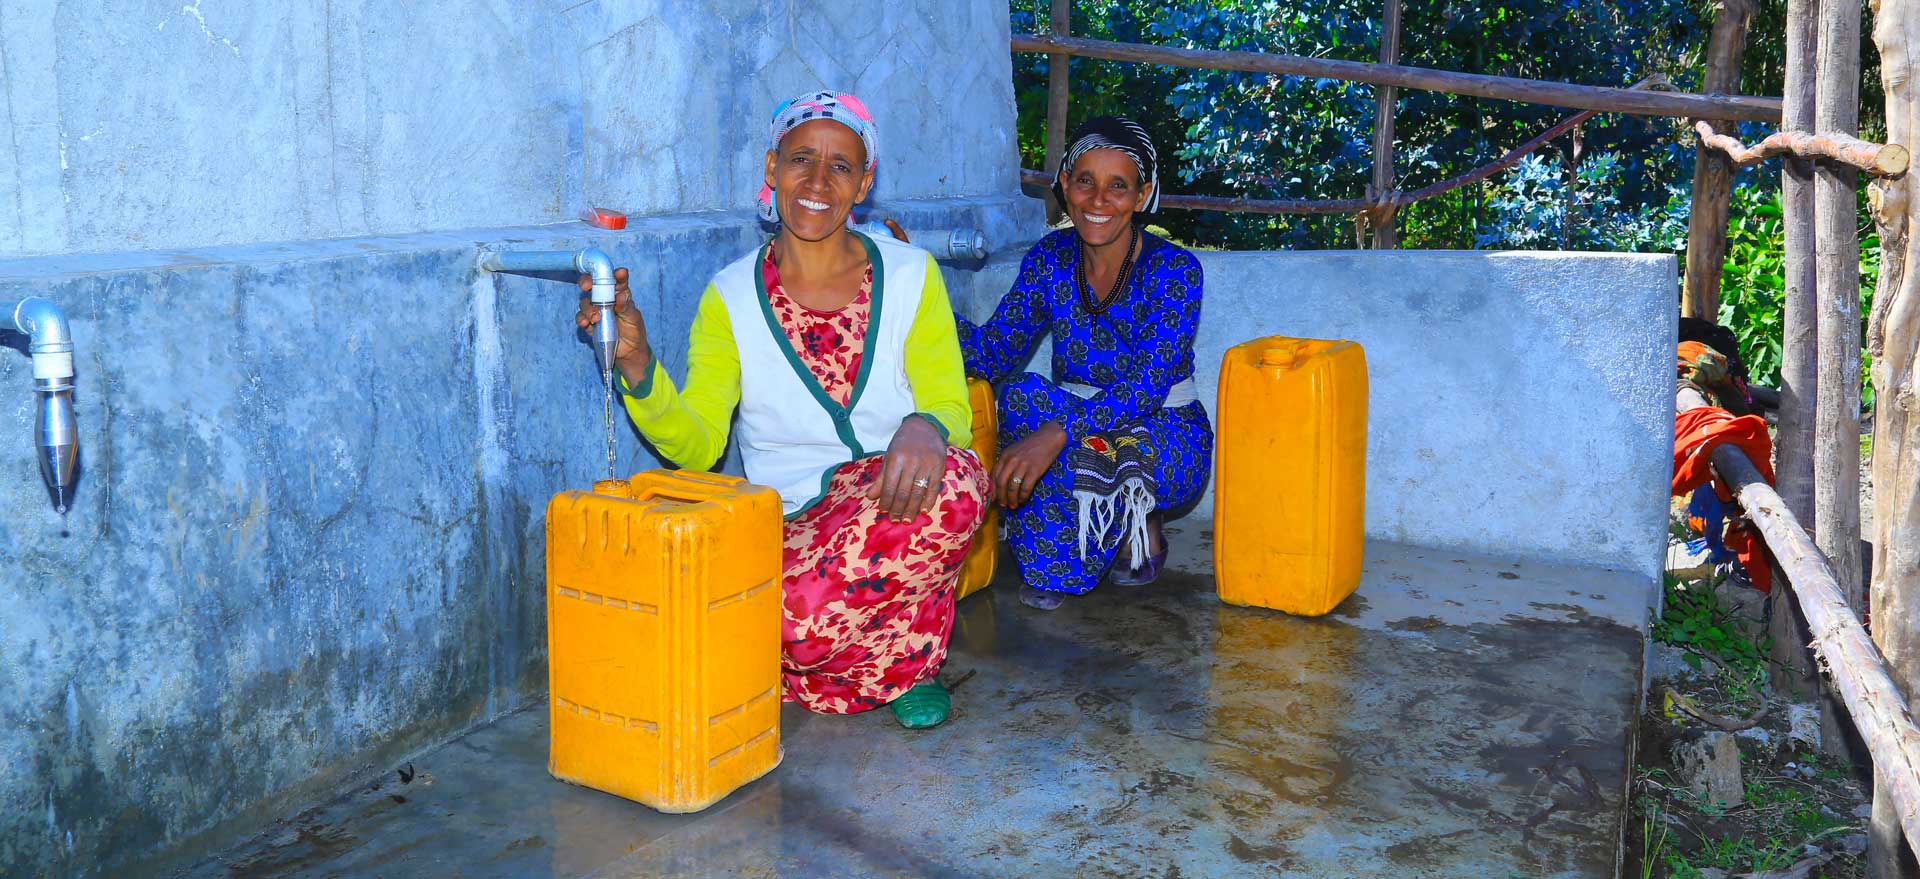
[[1133, 352]]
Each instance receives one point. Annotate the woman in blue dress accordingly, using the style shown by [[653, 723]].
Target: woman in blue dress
[[1091, 457]]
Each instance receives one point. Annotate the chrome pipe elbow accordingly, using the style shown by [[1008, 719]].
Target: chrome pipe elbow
[[56, 431]]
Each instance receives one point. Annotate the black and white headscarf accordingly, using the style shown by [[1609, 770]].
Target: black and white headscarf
[[1113, 133]]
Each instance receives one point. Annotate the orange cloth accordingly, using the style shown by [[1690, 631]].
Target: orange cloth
[[1697, 432], [1688, 355], [1752, 553]]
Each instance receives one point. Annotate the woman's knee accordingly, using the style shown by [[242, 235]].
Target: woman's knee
[[1026, 402], [964, 491]]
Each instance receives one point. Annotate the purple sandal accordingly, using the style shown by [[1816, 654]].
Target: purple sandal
[[1140, 576]]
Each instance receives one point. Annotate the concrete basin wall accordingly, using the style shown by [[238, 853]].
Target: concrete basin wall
[[1522, 403], [307, 534]]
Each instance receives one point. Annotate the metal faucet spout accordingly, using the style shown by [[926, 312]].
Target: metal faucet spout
[[56, 432], [591, 261], [58, 437]]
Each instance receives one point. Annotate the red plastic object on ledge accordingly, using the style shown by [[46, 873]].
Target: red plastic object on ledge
[[605, 218]]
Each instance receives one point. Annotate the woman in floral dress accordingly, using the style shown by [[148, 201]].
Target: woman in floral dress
[[838, 351]]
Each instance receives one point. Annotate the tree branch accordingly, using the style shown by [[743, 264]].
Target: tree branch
[[1880, 160]]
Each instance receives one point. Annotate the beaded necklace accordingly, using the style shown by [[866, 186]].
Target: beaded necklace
[[1085, 289]]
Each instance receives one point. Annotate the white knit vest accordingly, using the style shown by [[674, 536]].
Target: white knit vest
[[792, 435]]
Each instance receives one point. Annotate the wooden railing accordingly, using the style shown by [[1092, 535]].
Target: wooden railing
[[1388, 200], [1859, 673], [1650, 96], [1532, 91]]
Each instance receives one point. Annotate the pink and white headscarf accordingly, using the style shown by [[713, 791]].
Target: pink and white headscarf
[[844, 109]]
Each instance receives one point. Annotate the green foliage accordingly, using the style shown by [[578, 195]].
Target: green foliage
[[1694, 620], [1653, 838], [1539, 205], [1237, 134], [1782, 819], [1754, 288], [1226, 133], [1740, 853], [1768, 830]]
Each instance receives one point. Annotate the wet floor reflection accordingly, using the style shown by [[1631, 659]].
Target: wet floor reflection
[[1279, 700], [1135, 732]]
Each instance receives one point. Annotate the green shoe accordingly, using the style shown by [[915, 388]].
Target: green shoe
[[924, 706]]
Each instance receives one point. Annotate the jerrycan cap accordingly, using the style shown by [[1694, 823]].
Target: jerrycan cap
[[619, 488], [1283, 356]]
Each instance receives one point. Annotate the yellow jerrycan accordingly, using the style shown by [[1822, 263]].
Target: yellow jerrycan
[[1290, 470], [663, 637], [977, 571]]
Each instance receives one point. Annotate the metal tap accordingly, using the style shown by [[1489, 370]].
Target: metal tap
[[592, 261], [606, 335], [56, 433], [957, 243]]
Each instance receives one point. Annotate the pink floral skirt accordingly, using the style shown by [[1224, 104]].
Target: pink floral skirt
[[869, 600]]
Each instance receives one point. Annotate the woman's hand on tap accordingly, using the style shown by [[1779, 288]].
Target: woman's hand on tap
[[632, 356]]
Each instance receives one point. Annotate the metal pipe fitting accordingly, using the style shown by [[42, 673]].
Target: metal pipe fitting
[[959, 243], [591, 261], [56, 433]]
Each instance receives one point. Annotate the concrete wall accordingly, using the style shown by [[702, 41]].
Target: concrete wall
[[163, 123], [308, 534], [307, 537], [1522, 403]]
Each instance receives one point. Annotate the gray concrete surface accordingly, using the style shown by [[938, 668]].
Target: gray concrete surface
[[170, 123], [308, 527], [1462, 716], [1522, 403], [307, 533]]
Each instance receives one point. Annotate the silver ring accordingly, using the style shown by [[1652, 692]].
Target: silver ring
[[1018, 479], [921, 483]]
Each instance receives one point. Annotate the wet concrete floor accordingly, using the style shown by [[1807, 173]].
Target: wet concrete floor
[[1460, 716]]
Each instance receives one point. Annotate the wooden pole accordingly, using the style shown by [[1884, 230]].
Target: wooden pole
[[1861, 675], [1059, 25], [1532, 91], [1836, 448], [1876, 159], [1713, 171], [1385, 222], [1836, 260], [1793, 456], [1895, 339]]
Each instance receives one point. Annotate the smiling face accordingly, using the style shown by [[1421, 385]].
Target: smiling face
[[818, 174], [1104, 191]]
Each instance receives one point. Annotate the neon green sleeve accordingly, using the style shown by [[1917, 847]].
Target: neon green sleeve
[[690, 427], [934, 368]]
